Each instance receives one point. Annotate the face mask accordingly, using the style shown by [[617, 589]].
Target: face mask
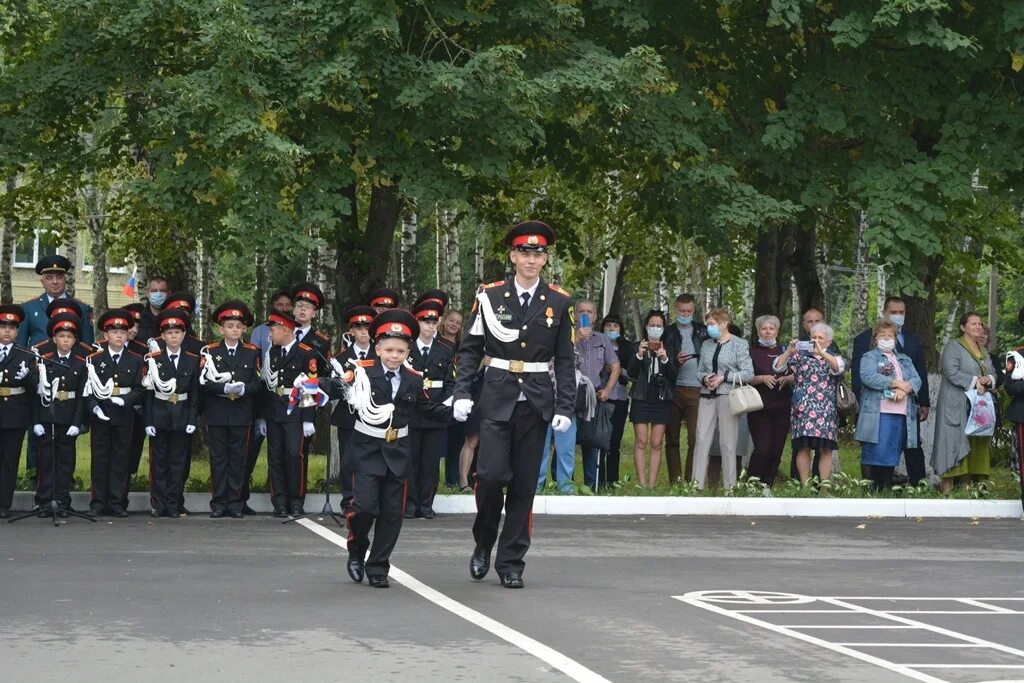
[[767, 343], [612, 335], [898, 319], [684, 319], [714, 332], [654, 333], [886, 345], [157, 299]]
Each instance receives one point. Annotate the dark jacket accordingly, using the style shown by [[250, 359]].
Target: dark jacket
[[127, 376], [436, 369], [911, 346], [674, 344], [1015, 389], [342, 417], [16, 411], [300, 359], [663, 386], [230, 410], [64, 409], [178, 414]]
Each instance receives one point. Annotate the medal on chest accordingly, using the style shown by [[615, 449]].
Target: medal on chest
[[550, 313]]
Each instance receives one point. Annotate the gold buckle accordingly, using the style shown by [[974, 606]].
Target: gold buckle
[[391, 435], [232, 397], [62, 395], [5, 391], [173, 400], [515, 366]]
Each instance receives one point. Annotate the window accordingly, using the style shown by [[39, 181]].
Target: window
[[28, 250], [85, 247]]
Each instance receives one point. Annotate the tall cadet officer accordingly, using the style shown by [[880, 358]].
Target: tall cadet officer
[[113, 389], [379, 451], [358, 319], [230, 380], [171, 412], [59, 411], [286, 430], [522, 323], [17, 384], [429, 437]]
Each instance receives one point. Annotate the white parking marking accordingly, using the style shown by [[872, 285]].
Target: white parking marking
[[569, 667]]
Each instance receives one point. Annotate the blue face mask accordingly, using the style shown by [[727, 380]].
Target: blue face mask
[[157, 299], [714, 332], [612, 334], [898, 319], [684, 319]]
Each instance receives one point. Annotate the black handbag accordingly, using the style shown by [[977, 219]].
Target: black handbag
[[596, 432], [846, 402]]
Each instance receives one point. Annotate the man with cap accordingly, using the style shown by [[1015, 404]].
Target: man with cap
[[429, 438], [383, 299], [61, 307], [288, 364], [52, 271], [522, 323], [230, 381], [17, 385], [361, 347], [113, 388], [59, 411], [171, 412], [385, 394]]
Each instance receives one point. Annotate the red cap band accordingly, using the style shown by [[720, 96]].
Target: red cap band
[[274, 319], [9, 317], [230, 313], [395, 328], [168, 322], [426, 314], [308, 295], [382, 301], [113, 322], [360, 319], [65, 325], [530, 240]]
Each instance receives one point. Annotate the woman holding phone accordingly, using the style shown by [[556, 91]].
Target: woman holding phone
[[654, 375]]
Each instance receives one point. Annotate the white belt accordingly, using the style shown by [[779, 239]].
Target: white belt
[[64, 395], [170, 398], [282, 391], [389, 435], [12, 391], [120, 391], [432, 384], [518, 366]]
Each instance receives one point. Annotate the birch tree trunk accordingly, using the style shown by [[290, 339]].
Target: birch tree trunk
[[71, 254], [259, 308], [453, 283], [97, 248], [860, 276], [7, 252], [407, 262]]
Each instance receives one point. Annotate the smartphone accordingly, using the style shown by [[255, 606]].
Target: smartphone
[[889, 394], [654, 346], [804, 346], [585, 320]]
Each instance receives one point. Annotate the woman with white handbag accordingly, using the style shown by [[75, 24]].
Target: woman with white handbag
[[724, 359]]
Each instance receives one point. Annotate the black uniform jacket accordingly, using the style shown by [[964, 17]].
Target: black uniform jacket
[[127, 374], [231, 410], [300, 359], [67, 406], [16, 410], [436, 367], [174, 415]]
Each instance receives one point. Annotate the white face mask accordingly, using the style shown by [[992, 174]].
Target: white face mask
[[654, 333], [886, 345]]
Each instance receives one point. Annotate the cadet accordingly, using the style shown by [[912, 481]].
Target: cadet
[[385, 393], [230, 380], [429, 437], [139, 347], [113, 389], [59, 412], [383, 299], [58, 307], [17, 385], [307, 301], [522, 323], [171, 411], [286, 428], [185, 304]]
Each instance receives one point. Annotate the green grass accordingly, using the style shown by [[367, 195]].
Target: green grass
[[1002, 485]]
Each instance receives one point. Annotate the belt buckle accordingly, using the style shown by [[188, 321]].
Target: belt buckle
[[173, 400], [391, 435], [232, 397], [5, 391], [62, 395], [515, 366]]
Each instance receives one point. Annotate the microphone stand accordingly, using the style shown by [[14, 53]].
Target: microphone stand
[[55, 510]]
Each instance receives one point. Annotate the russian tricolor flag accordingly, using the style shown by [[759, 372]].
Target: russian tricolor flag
[[129, 287]]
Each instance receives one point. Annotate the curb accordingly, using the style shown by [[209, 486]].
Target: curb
[[648, 505]]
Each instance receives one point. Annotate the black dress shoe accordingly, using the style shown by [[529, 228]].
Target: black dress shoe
[[355, 569], [4, 513], [280, 513], [173, 514], [216, 514], [156, 513], [511, 579], [43, 512], [184, 511], [246, 510], [378, 581], [480, 562], [119, 512], [235, 514], [95, 510], [410, 512], [428, 513], [298, 511]]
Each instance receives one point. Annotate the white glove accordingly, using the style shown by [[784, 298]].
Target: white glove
[[461, 409], [150, 431], [22, 371], [338, 368], [117, 401], [561, 423], [153, 345], [240, 388], [308, 429], [38, 430], [190, 429], [302, 377], [261, 427], [98, 412], [448, 401], [73, 431]]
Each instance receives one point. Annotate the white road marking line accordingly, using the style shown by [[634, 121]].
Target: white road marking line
[[966, 666], [984, 605], [861, 598], [569, 667], [844, 626], [787, 631], [943, 645]]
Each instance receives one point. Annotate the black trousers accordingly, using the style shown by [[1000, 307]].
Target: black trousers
[[914, 458], [344, 436], [428, 447], [286, 465], [109, 445], [453, 453], [251, 457], [509, 459], [769, 430], [135, 452], [168, 453], [229, 451], [377, 502], [608, 466], [10, 455], [47, 488], [188, 467]]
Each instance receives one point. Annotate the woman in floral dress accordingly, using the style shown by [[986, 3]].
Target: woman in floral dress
[[817, 373]]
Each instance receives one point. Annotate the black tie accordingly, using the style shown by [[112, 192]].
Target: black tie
[[391, 377], [63, 360], [231, 353], [362, 355], [3, 354], [174, 360], [425, 351], [116, 357], [298, 335], [277, 353], [526, 300]]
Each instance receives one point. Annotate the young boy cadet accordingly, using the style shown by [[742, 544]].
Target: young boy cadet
[[171, 410], [358, 319], [17, 384], [59, 412], [113, 389], [230, 380], [385, 394]]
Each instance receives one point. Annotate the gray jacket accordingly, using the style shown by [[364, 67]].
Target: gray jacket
[[959, 370], [733, 362]]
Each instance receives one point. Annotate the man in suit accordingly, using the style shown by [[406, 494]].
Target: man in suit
[[286, 427], [429, 438], [18, 381], [171, 413], [53, 274], [59, 412], [895, 311], [523, 324], [113, 389], [230, 380]]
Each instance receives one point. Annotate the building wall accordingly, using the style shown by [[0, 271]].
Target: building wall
[[26, 286]]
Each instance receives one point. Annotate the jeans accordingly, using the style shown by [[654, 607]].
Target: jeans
[[565, 457], [590, 457], [609, 472]]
